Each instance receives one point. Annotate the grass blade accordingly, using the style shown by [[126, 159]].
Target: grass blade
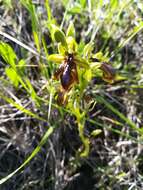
[[20, 107], [135, 30], [114, 110], [19, 43], [33, 154]]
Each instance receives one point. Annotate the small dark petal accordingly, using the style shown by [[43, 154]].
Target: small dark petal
[[62, 98], [108, 71], [76, 75], [59, 72]]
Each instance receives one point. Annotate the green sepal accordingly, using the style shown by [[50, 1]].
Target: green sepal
[[81, 62], [72, 45], [119, 77], [88, 75], [61, 49], [99, 55], [95, 65], [56, 58]]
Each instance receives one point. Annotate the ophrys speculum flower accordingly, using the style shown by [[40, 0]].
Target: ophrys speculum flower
[[74, 66], [67, 72], [69, 61]]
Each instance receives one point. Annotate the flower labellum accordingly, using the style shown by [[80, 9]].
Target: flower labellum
[[67, 73], [109, 72]]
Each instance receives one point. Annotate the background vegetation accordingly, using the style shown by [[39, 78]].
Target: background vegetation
[[45, 141]]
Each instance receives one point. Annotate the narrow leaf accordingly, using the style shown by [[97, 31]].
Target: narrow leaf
[[33, 154]]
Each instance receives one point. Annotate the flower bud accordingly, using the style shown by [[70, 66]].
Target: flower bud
[[59, 36], [109, 72]]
